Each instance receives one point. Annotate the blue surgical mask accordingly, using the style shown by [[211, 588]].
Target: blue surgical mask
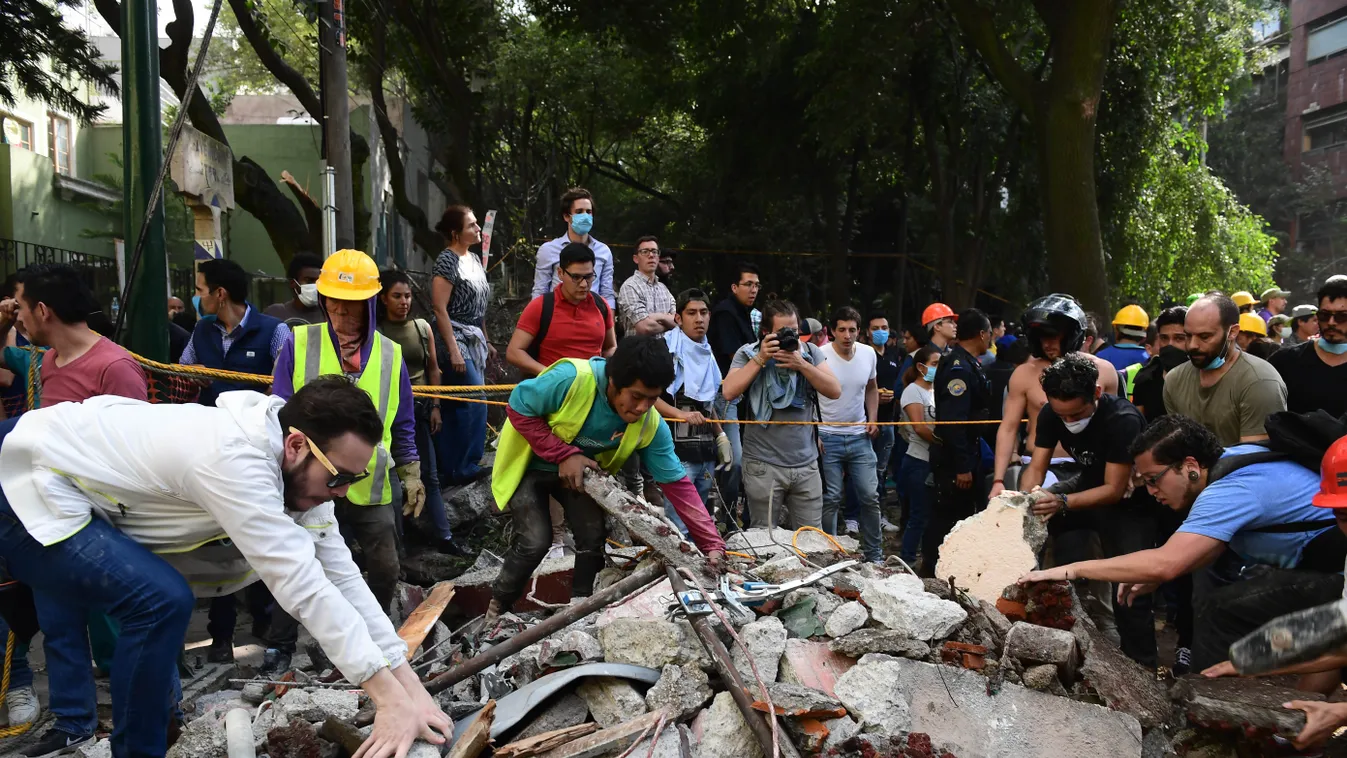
[[930, 373], [1336, 348], [880, 337], [196, 304], [581, 223], [1219, 360]]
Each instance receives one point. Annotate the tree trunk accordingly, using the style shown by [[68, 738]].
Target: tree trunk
[[1070, 215]]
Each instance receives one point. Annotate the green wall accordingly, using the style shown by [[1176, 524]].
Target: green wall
[[276, 147], [35, 212]]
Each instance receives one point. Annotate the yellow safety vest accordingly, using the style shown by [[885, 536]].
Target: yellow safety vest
[[1130, 380], [381, 378], [513, 452]]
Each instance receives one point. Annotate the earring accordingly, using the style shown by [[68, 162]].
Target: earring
[[1192, 476]]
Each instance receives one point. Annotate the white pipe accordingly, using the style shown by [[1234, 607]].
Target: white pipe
[[239, 733]]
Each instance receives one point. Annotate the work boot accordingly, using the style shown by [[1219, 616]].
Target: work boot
[[23, 706], [275, 661], [221, 651], [452, 547]]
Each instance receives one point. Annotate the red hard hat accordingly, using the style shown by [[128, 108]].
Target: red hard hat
[[1333, 488], [935, 312]]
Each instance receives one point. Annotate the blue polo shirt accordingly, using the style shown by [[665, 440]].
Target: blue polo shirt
[[603, 428], [1124, 354], [1256, 496]]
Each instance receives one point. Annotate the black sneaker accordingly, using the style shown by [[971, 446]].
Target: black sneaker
[[1183, 661], [452, 547], [275, 661], [221, 651], [53, 743]]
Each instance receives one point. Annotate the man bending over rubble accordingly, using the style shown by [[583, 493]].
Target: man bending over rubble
[[581, 415], [1283, 554], [101, 502]]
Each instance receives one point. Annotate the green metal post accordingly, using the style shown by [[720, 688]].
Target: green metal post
[[147, 317]]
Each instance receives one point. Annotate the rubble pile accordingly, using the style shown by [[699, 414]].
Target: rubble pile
[[865, 660]]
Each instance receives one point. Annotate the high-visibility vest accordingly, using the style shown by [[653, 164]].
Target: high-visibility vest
[[1130, 379], [381, 378], [513, 452]]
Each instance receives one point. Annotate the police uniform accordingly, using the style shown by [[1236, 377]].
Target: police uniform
[[962, 393]]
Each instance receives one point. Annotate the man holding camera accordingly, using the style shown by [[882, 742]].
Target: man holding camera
[[781, 378]]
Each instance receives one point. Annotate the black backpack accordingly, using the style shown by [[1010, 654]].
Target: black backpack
[[545, 319], [1301, 438]]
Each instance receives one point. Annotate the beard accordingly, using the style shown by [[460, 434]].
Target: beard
[[1201, 360], [288, 488]]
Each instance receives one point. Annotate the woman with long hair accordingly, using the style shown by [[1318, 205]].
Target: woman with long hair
[[393, 310], [460, 293]]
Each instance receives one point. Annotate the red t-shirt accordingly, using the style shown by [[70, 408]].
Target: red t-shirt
[[105, 369], [576, 331]]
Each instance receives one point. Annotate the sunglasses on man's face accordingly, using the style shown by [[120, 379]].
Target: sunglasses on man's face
[[339, 478], [1337, 317]]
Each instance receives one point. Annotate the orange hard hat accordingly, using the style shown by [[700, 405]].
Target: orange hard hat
[[936, 311], [1333, 487]]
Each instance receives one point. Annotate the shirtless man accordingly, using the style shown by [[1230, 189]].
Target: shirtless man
[[1056, 327]]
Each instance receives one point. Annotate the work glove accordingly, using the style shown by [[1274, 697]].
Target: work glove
[[410, 474], [724, 453]]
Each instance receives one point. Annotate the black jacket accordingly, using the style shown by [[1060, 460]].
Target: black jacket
[[731, 328], [962, 393]]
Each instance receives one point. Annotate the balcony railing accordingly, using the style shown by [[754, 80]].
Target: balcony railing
[[99, 272]]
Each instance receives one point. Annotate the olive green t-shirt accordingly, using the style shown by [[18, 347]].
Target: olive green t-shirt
[[1234, 407]]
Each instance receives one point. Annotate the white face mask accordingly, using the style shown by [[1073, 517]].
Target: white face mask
[[308, 294], [1284, 331], [1076, 427]]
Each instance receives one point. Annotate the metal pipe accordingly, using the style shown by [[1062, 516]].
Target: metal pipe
[[329, 211], [720, 658], [239, 734], [638, 579]]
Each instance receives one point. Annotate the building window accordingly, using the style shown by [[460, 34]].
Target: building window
[[1327, 39], [1325, 130], [58, 143], [17, 132]]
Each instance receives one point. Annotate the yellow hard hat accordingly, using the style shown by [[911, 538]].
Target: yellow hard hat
[[349, 275], [1243, 298], [1252, 323], [1132, 315]]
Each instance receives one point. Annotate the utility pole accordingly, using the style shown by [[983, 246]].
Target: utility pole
[[337, 116], [147, 309]]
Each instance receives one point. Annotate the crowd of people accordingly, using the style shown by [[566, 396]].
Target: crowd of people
[[1155, 451]]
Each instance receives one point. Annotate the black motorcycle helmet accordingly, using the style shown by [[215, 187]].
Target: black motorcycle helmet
[[1055, 314]]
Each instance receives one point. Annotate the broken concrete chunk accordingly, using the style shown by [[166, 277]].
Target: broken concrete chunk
[[202, 738], [900, 604], [766, 641], [801, 702], [886, 641], [952, 706], [1039, 644], [724, 733], [995, 618], [582, 644], [993, 548], [682, 691], [813, 665], [1242, 704], [846, 619], [569, 710], [611, 701], [781, 570], [840, 730], [668, 744], [1044, 679], [809, 735], [872, 692], [802, 619], [649, 642]]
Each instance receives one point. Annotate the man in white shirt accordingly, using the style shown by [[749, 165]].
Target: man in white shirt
[[101, 502], [577, 208], [847, 449]]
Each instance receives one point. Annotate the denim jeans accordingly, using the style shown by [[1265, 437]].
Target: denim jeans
[[702, 475], [462, 440], [912, 476], [100, 568], [430, 475], [883, 445], [854, 455], [20, 674], [730, 480]]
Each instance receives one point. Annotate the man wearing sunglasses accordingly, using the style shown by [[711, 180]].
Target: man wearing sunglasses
[[1285, 554], [1315, 371], [100, 506]]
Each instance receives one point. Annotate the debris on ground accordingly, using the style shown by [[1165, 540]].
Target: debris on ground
[[868, 661]]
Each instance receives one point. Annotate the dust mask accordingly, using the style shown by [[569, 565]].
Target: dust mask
[[308, 295], [1076, 427]]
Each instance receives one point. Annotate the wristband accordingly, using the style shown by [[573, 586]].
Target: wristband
[[1064, 506], [998, 481], [758, 359]]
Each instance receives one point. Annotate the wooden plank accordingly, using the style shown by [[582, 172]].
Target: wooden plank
[[541, 743], [607, 740], [477, 736], [422, 620]]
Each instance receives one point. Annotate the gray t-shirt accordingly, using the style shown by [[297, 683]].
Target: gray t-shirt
[[293, 316], [784, 445], [1234, 407]]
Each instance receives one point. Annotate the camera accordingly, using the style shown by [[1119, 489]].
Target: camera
[[788, 339]]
